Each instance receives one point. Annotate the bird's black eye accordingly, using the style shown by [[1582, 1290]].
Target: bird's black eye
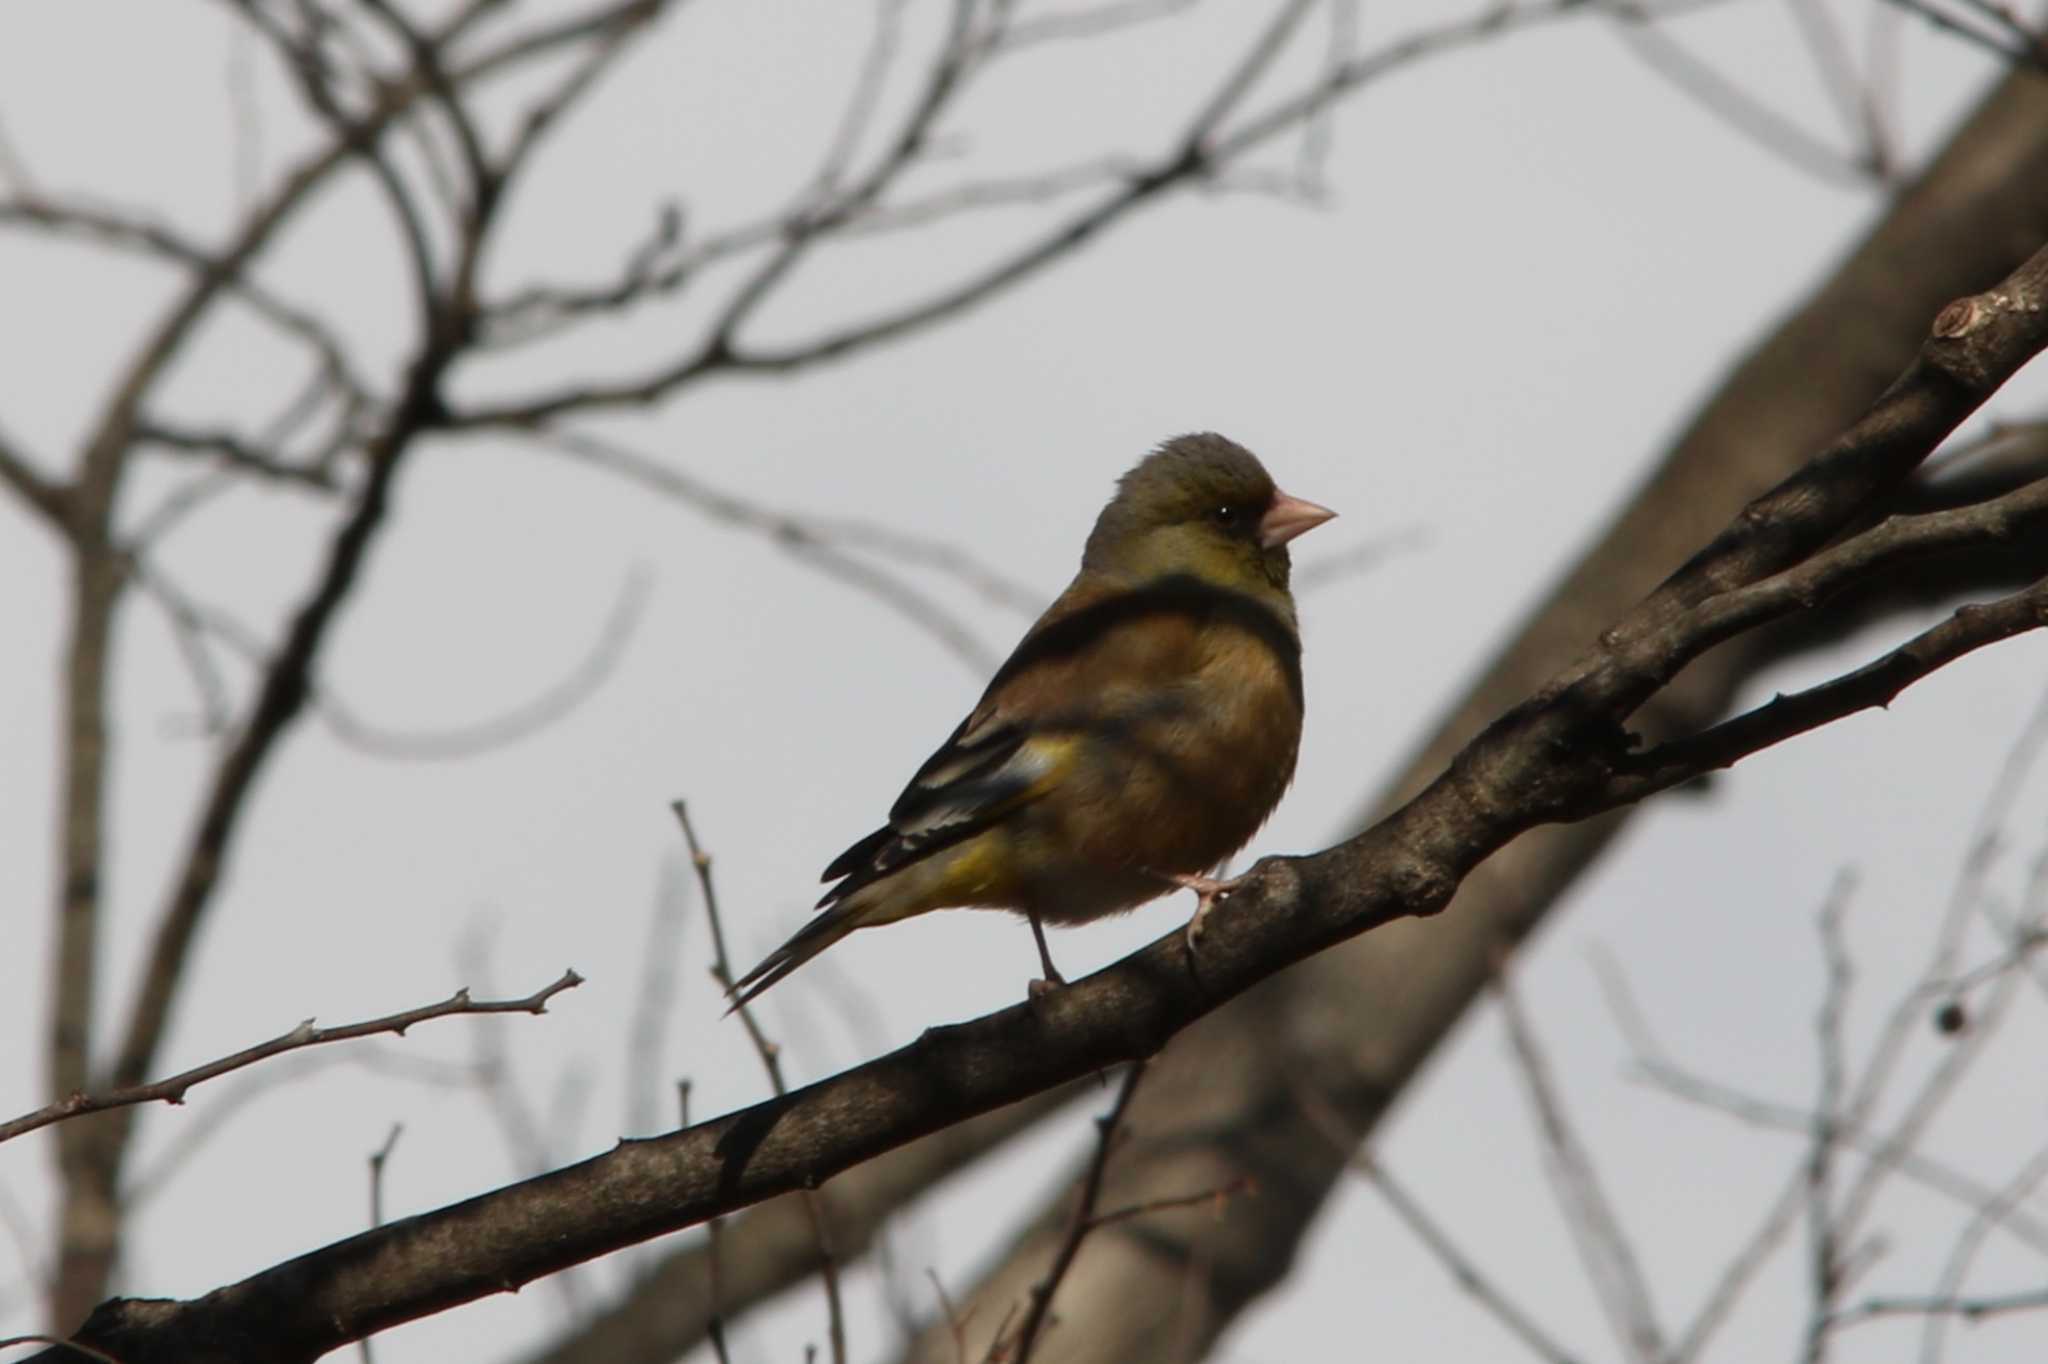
[[1227, 516]]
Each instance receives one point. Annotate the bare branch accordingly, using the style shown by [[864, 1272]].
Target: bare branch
[[860, 104], [1016, 1349], [26, 1239], [133, 232], [45, 495], [235, 454], [66, 1348], [1969, 1309], [818, 541], [771, 1062], [194, 622], [654, 1002], [426, 58], [1458, 1265], [245, 116], [1111, 17], [608, 42], [1257, 60], [2008, 39], [1464, 1272], [172, 1090], [1856, 103], [91, 1154], [303, 59], [1877, 683], [198, 1128], [1957, 1268], [190, 631], [687, 1296], [1604, 1248], [1742, 1268], [946, 75], [377, 1159], [1951, 1183], [1015, 191], [1195, 154], [556, 701], [1826, 1275], [1762, 125]]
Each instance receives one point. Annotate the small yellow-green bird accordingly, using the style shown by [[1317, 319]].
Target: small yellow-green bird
[[1139, 734]]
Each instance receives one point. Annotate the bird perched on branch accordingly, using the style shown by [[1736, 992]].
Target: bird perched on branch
[[1140, 733]]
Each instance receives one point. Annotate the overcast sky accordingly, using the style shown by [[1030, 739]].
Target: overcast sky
[[1535, 256]]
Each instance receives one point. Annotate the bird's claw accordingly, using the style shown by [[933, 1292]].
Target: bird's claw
[[1041, 987], [1208, 892]]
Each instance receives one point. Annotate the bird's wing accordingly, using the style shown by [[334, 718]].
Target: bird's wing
[[990, 767], [1102, 658], [997, 759]]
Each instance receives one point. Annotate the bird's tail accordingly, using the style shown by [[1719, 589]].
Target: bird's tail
[[807, 942]]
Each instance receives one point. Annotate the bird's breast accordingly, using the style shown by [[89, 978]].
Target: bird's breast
[[1178, 776]]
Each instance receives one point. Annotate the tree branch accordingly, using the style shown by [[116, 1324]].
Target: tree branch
[[171, 1090]]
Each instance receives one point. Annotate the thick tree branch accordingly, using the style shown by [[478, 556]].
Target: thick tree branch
[[670, 1308]]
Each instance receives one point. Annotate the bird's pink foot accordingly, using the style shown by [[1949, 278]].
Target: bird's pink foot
[[1208, 891], [1041, 987]]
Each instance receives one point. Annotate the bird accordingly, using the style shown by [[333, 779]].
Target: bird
[[1139, 734]]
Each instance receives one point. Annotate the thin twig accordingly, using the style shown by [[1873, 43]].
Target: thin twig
[[1969, 1309], [1764, 126], [1462, 1269], [1971, 1240], [1037, 1312], [1323, 1116], [377, 1159], [861, 103], [194, 621], [1213, 1198], [771, 1061], [655, 1002], [714, 1259], [1609, 1258], [61, 1343], [1915, 1166], [1195, 154], [1855, 103], [1937, 982], [821, 543], [46, 495], [1823, 1245], [1083, 23], [227, 1103], [172, 1090], [2025, 50], [27, 1240], [133, 231]]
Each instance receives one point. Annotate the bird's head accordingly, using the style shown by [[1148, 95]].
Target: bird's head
[[1205, 506]]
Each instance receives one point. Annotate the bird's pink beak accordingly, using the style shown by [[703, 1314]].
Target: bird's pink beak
[[1289, 517]]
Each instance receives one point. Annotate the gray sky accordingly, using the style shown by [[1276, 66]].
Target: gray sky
[[1535, 256]]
